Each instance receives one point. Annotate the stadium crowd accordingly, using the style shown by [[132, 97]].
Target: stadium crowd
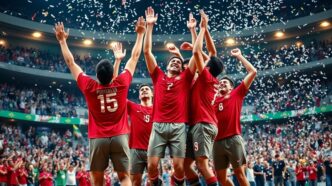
[[265, 58], [30, 153]]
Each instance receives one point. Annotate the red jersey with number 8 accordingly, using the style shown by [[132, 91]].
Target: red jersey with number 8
[[107, 105]]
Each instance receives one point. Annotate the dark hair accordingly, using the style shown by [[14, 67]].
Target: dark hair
[[172, 57], [144, 85], [104, 70], [186, 61], [216, 66], [229, 79]]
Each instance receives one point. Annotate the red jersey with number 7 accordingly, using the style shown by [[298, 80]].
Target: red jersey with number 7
[[107, 105], [171, 96]]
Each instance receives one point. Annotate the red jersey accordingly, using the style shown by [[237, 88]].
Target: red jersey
[[141, 125], [202, 99], [22, 176], [3, 177], [83, 178], [108, 181], [12, 176], [171, 96], [107, 105], [300, 176], [45, 181], [312, 172], [228, 111]]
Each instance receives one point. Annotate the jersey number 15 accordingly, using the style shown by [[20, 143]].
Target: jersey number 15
[[109, 102]]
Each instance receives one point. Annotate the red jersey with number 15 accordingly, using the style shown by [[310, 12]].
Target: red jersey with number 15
[[228, 112], [171, 95], [141, 125], [107, 105]]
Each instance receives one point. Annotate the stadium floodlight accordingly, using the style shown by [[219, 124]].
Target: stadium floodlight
[[230, 41], [87, 42], [170, 45], [324, 24], [36, 34], [298, 44], [279, 34], [2, 42]]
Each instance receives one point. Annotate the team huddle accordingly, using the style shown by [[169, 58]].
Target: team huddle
[[188, 110]]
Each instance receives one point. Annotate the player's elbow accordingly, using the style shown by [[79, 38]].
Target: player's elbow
[[147, 52], [254, 72], [196, 51]]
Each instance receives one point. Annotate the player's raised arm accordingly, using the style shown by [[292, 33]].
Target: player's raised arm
[[250, 77], [197, 51], [208, 39], [118, 55], [151, 19], [61, 36], [137, 49]]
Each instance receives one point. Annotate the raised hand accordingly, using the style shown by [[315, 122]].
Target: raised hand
[[204, 19], [236, 52], [117, 51], [151, 19], [191, 23], [60, 33], [140, 25], [186, 46], [173, 49]]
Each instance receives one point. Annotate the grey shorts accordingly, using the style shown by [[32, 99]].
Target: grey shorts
[[203, 138], [229, 150], [138, 161], [171, 135], [115, 148]]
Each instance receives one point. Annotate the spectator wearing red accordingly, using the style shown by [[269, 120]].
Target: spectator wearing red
[[45, 177], [22, 175], [312, 170], [3, 172], [12, 171], [83, 177], [300, 174]]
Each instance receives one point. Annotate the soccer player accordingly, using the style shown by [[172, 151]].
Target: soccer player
[[108, 124], [170, 114], [141, 125], [203, 118], [228, 146]]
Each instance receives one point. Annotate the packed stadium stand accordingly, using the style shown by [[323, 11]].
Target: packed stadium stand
[[288, 111]]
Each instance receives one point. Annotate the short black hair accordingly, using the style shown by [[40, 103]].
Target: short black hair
[[186, 61], [229, 79], [172, 57], [104, 70], [144, 85], [216, 66]]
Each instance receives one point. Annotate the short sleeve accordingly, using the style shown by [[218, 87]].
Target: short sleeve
[[155, 74], [241, 90], [188, 75], [130, 106], [124, 78], [84, 82]]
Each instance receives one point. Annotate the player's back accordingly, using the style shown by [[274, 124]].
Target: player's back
[[106, 105]]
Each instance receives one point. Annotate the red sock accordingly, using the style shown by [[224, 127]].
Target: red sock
[[211, 180]]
